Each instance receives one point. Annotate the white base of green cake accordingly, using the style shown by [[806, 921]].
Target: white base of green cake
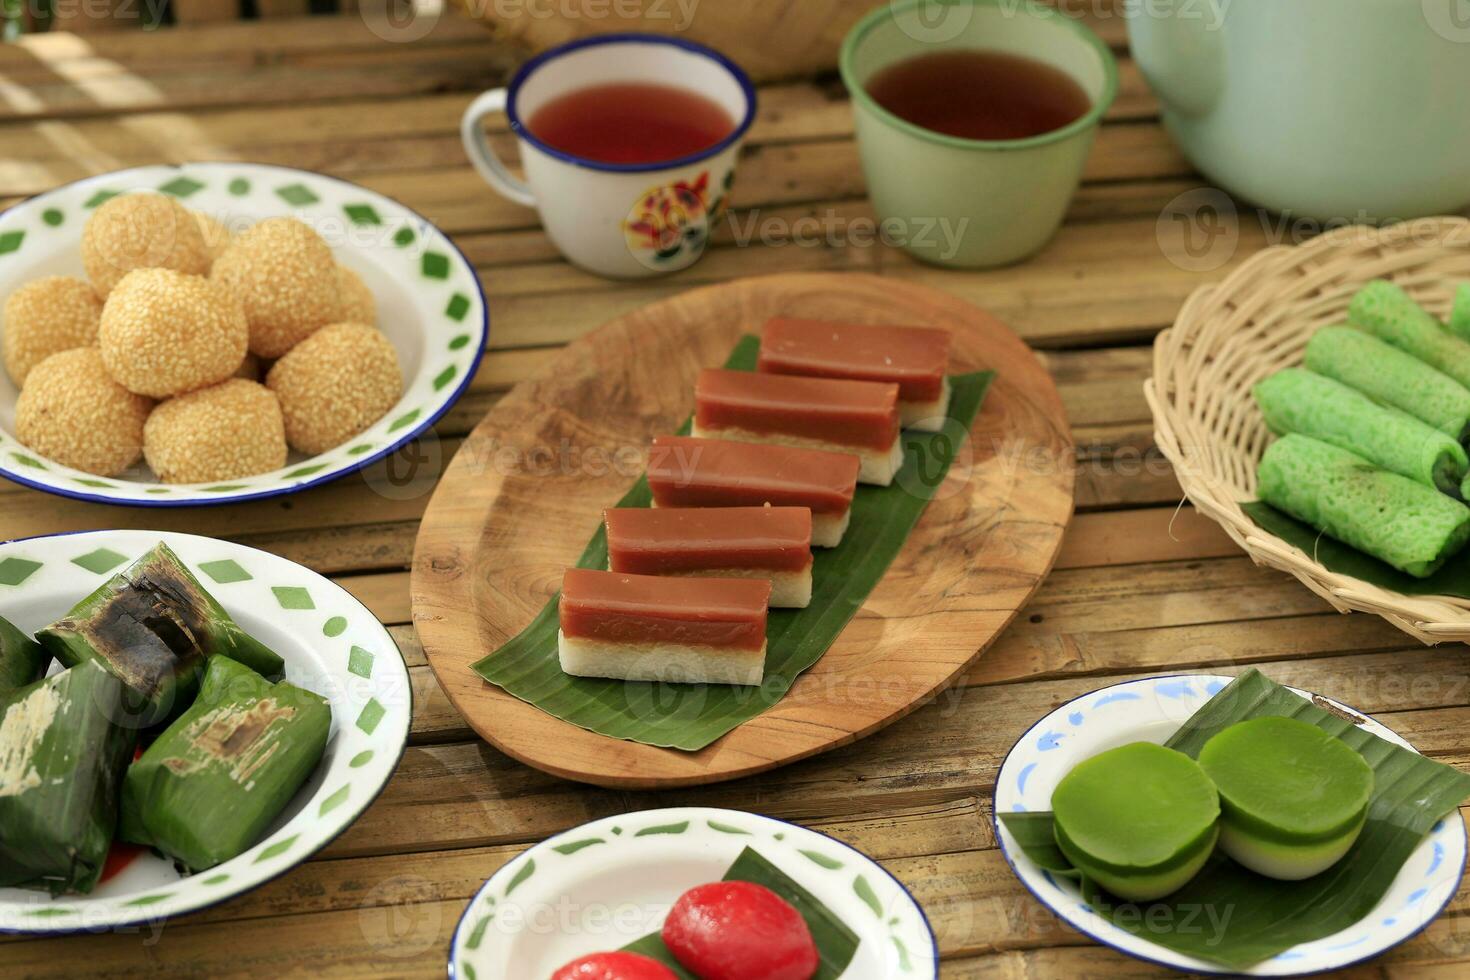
[[675, 663]]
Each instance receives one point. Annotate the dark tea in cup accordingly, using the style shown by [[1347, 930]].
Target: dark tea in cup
[[631, 123], [980, 94]]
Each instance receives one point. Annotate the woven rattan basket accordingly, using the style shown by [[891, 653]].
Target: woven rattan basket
[[1230, 335]]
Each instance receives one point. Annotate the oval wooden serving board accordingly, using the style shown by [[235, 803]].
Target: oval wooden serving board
[[526, 492]]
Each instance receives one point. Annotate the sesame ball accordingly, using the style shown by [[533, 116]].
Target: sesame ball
[[216, 234], [357, 303], [46, 317], [284, 274], [335, 384], [164, 333], [230, 431], [141, 231], [71, 411]]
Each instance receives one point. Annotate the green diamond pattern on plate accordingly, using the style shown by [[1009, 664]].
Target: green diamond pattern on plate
[[459, 305], [444, 377], [219, 879], [866, 893], [239, 187], [99, 561], [335, 800], [225, 571], [335, 626], [306, 471], [664, 828], [526, 871], [296, 194], [14, 571], [50, 912], [404, 420], [821, 860], [360, 662], [362, 214], [361, 759], [372, 713], [477, 934], [100, 484], [52, 217], [277, 849], [359, 450], [181, 186], [724, 828], [148, 899], [403, 237], [459, 343], [101, 197], [10, 241], [225, 488], [577, 845], [293, 597], [30, 461], [435, 265]]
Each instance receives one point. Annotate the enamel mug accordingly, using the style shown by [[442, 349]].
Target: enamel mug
[[620, 220]]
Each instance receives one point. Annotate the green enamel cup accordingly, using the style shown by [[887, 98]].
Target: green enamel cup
[[962, 202]]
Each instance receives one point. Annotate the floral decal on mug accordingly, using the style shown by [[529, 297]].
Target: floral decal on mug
[[669, 225]]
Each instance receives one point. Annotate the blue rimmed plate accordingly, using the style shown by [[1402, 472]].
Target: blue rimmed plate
[[1152, 710], [610, 882], [331, 644], [430, 306]]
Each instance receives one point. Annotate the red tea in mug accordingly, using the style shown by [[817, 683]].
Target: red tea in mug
[[980, 95], [631, 122]]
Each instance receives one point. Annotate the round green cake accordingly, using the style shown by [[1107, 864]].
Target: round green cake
[[1293, 798], [1140, 820]]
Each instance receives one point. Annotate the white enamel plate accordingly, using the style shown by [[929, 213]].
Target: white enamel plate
[[610, 882], [331, 644], [1151, 710], [430, 306]]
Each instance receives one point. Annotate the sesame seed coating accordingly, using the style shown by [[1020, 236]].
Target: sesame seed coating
[[357, 303], [164, 333], [141, 231], [72, 412], [46, 317], [226, 432], [336, 384], [217, 235], [284, 274]]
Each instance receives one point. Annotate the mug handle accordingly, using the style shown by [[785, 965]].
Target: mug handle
[[477, 147]]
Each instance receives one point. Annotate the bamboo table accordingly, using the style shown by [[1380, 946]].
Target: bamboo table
[[1141, 587]]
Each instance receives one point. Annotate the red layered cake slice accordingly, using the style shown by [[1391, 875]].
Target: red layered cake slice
[[688, 472], [914, 358], [771, 543], [858, 417], [651, 628]]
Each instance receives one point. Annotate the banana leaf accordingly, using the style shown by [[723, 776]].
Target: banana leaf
[[1235, 917], [213, 782], [63, 750], [836, 943], [154, 626], [1452, 578], [691, 716], [22, 660]]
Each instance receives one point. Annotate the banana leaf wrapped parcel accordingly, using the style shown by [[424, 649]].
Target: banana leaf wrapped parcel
[[213, 782], [22, 661], [64, 743], [154, 626]]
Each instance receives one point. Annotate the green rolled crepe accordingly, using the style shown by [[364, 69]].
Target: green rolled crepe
[[1460, 313], [1390, 377], [1387, 312], [1299, 401], [1394, 519]]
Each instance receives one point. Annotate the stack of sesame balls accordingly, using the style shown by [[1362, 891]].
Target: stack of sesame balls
[[160, 352]]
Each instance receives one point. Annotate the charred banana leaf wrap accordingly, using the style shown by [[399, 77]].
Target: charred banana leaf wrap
[[215, 780], [155, 626]]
